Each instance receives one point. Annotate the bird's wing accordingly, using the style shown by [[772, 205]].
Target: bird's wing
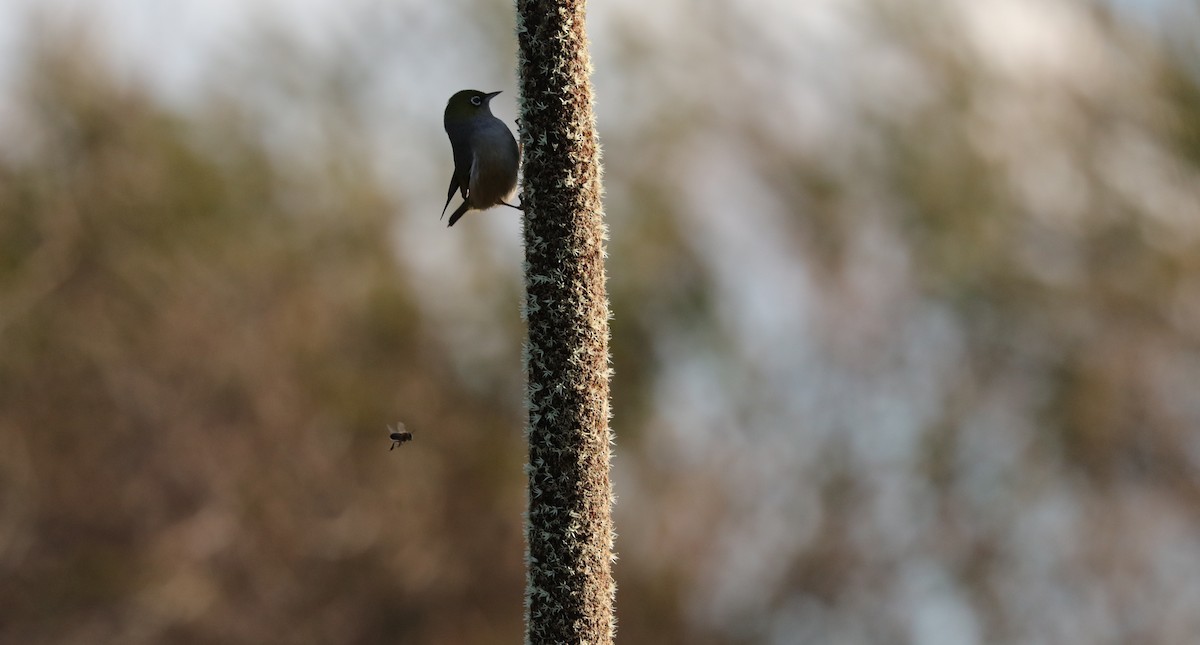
[[458, 212], [459, 144], [462, 163], [474, 175]]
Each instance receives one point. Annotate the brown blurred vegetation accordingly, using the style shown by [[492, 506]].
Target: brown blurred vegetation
[[200, 356], [922, 372]]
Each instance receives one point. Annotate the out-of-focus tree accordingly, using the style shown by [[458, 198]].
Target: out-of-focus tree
[[200, 353], [934, 327]]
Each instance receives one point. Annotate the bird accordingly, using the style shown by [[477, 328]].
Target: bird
[[486, 156]]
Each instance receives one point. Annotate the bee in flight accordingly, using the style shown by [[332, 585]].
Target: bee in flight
[[398, 435]]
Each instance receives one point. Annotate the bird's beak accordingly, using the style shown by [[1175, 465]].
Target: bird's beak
[[492, 95]]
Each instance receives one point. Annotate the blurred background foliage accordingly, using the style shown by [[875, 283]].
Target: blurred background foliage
[[906, 335]]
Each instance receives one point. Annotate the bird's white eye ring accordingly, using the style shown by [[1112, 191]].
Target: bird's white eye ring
[[476, 101]]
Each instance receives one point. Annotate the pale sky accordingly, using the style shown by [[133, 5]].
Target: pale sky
[[170, 42]]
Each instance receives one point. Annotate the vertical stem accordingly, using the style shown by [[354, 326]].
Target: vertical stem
[[569, 534]]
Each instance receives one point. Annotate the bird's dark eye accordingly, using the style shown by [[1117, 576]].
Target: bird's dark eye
[[476, 101]]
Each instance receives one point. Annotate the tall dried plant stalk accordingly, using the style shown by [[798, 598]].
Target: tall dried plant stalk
[[569, 532]]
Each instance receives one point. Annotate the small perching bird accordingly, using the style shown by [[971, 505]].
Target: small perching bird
[[486, 155]]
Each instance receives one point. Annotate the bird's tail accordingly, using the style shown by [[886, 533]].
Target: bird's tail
[[458, 213]]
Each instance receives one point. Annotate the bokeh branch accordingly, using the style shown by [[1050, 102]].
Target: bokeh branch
[[569, 535]]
